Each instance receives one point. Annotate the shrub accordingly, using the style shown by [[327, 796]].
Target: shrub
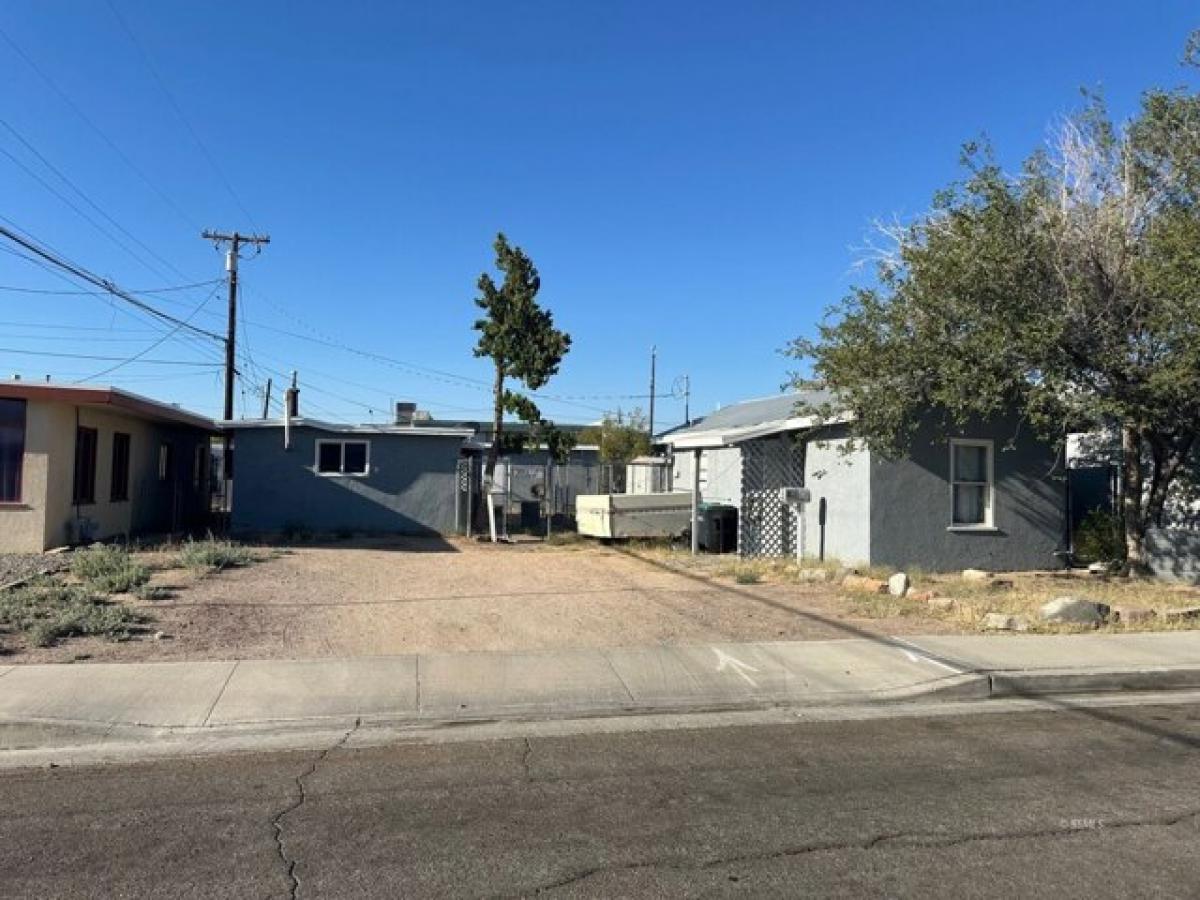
[[152, 592], [46, 611], [213, 555], [747, 576], [108, 569], [1100, 537]]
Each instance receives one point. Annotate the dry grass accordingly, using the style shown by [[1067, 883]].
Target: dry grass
[[972, 599]]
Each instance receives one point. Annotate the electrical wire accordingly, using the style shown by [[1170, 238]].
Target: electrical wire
[[129, 163], [90, 277], [16, 289], [157, 362], [138, 356], [179, 113]]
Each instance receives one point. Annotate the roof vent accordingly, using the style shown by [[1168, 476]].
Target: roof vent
[[405, 412]]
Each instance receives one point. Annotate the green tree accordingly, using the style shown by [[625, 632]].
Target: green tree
[[619, 437], [519, 337], [1069, 292]]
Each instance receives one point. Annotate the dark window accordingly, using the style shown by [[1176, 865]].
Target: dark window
[[119, 488], [329, 457], [343, 457], [12, 449], [355, 462], [85, 465]]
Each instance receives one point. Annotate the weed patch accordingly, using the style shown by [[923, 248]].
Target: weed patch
[[46, 611], [108, 570], [211, 555]]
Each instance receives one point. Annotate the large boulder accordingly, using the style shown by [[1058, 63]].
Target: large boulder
[[995, 621], [976, 575], [1075, 610], [898, 585]]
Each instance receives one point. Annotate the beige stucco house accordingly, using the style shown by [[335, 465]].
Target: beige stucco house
[[81, 463]]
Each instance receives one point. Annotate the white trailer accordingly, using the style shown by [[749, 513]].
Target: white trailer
[[633, 515]]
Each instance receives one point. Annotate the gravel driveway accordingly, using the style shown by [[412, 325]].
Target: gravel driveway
[[429, 596]]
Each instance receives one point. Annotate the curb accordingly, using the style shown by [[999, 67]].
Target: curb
[[1049, 682]]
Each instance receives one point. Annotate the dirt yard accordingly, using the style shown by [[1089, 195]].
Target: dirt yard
[[404, 597]]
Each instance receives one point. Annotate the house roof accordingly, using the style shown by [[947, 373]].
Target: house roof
[[749, 419], [417, 430], [101, 396]]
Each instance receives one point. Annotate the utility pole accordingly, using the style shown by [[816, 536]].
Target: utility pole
[[653, 366], [267, 401], [235, 241]]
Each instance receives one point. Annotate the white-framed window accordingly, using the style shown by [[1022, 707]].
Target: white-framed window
[[343, 457], [972, 483]]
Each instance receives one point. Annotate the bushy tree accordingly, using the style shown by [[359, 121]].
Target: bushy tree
[[1069, 292], [519, 337], [619, 438]]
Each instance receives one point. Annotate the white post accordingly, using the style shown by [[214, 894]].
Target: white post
[[696, 501]]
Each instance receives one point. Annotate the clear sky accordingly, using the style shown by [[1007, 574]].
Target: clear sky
[[692, 175]]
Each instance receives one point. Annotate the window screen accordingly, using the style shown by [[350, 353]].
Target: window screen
[[119, 486], [12, 449], [85, 465]]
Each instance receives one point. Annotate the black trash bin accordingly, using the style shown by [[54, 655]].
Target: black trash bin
[[718, 528]]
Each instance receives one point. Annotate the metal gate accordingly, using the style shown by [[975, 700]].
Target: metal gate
[[530, 498], [766, 525]]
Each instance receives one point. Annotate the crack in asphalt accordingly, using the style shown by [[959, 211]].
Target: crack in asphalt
[[897, 838], [299, 800], [525, 756]]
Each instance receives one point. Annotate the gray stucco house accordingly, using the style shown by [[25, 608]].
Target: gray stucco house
[[321, 476], [990, 497]]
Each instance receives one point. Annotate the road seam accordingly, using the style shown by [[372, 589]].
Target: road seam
[[617, 674], [220, 693]]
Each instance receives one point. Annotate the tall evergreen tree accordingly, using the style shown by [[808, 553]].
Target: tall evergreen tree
[[519, 337]]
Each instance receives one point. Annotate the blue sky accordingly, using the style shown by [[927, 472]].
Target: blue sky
[[692, 175]]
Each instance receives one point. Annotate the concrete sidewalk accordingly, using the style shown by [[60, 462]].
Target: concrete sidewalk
[[439, 688]]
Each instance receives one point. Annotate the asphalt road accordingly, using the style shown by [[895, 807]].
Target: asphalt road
[[1096, 804]]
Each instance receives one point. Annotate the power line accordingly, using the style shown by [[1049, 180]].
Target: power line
[[91, 278], [157, 362], [137, 356], [16, 289], [179, 113], [129, 163], [86, 199]]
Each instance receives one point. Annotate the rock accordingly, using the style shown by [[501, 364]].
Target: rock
[[812, 575], [1078, 610], [921, 596], [995, 621], [864, 584], [941, 604], [1180, 614], [976, 575], [1128, 614], [897, 585], [843, 573], [1098, 568]]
